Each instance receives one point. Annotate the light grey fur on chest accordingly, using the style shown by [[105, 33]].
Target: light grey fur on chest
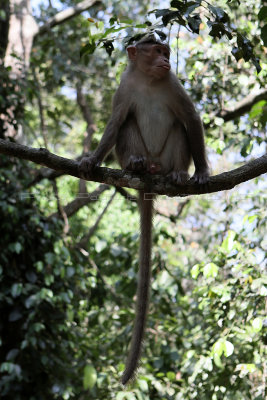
[[154, 118]]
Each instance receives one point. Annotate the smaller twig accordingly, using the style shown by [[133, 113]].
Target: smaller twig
[[41, 108], [110, 288], [81, 100], [83, 242], [82, 199], [174, 217], [61, 210], [126, 195]]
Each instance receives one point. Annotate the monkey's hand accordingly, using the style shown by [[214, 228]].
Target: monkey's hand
[[137, 164], [178, 177], [86, 166], [201, 176]]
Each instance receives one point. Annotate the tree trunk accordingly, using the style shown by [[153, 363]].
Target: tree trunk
[[4, 25], [22, 28]]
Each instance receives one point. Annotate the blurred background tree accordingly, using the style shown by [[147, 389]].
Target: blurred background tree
[[69, 248]]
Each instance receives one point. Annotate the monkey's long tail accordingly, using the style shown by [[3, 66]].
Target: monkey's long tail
[[146, 215]]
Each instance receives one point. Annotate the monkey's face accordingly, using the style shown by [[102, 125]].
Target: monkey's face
[[152, 60]]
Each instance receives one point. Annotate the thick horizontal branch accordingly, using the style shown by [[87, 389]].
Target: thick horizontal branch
[[150, 183], [67, 14]]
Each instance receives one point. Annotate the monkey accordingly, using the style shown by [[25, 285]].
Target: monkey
[[155, 129]]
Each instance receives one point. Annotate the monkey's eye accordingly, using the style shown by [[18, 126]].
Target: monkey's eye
[[158, 50]]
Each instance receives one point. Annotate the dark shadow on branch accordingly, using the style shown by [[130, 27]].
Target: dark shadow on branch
[[150, 183]]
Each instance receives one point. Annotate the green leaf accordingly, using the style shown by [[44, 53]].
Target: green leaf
[[218, 347], [89, 377], [256, 63], [194, 23], [217, 361], [195, 271], [228, 348], [17, 247], [264, 34], [70, 272], [210, 269], [12, 354], [14, 316], [257, 109], [16, 289], [143, 385], [228, 242], [246, 369], [108, 46], [219, 13], [125, 396], [263, 13], [263, 291], [49, 258], [246, 148], [257, 324], [252, 218], [191, 6], [89, 48], [237, 53], [171, 376]]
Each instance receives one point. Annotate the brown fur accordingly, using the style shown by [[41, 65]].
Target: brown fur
[[156, 129], [146, 213]]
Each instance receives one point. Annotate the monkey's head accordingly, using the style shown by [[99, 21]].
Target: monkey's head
[[151, 57]]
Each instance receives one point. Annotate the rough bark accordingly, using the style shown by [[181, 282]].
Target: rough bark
[[150, 183]]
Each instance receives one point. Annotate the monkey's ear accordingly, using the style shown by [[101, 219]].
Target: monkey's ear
[[132, 52]]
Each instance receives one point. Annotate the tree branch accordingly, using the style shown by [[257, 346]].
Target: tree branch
[[150, 183], [80, 201], [85, 239], [65, 15], [244, 106]]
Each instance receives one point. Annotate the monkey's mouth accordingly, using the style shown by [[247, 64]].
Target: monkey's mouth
[[167, 67]]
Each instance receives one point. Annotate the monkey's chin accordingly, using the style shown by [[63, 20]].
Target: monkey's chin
[[160, 72]]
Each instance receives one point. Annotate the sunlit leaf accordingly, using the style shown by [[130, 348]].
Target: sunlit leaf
[[228, 348], [257, 324], [210, 269], [143, 385], [89, 377], [228, 242], [195, 271]]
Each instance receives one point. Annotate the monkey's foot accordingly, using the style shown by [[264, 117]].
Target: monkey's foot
[[137, 164], [178, 177], [86, 166], [201, 177]]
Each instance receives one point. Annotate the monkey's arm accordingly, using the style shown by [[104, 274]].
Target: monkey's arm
[[108, 140], [185, 111]]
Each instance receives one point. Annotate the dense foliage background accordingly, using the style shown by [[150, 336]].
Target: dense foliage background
[[69, 249]]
